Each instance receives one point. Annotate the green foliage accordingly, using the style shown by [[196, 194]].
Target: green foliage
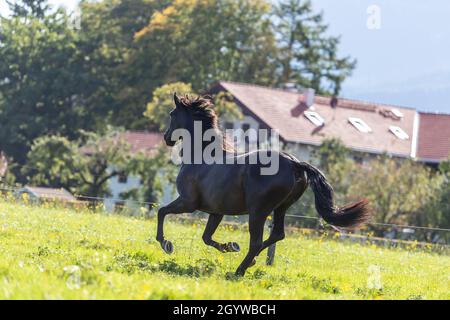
[[225, 107], [307, 54], [399, 191], [34, 91], [61, 253], [57, 79], [51, 162], [156, 172], [83, 167], [162, 103], [331, 152], [237, 44], [107, 41], [439, 210]]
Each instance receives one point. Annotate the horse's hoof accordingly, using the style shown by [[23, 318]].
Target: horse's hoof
[[252, 263], [233, 247], [167, 246]]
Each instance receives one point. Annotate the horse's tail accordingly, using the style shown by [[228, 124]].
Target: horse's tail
[[350, 216]]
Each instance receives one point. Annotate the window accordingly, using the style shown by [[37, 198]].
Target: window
[[123, 178], [399, 133], [315, 118], [245, 127], [229, 125], [360, 125], [397, 113]]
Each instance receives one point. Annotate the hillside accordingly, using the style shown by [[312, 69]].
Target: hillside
[[51, 253]]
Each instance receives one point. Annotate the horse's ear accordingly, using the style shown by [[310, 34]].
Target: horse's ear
[[176, 100]]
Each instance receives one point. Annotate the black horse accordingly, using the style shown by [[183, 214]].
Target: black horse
[[238, 189]]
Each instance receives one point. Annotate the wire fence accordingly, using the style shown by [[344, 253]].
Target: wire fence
[[299, 220]]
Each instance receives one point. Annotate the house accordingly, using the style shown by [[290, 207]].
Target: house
[[433, 145], [304, 120], [138, 141], [37, 194]]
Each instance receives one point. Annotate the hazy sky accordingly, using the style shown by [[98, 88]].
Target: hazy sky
[[405, 62]]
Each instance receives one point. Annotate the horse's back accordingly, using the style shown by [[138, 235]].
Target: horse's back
[[267, 191]]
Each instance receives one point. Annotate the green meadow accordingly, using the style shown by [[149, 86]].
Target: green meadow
[[60, 253]]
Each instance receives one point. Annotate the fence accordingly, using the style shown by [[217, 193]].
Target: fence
[[318, 227]]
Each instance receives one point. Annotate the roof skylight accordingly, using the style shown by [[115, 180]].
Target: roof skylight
[[315, 118], [397, 113], [399, 133], [360, 125]]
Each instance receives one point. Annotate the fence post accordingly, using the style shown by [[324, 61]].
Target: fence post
[[271, 250]]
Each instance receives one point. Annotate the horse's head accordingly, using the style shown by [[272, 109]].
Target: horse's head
[[179, 119], [186, 111]]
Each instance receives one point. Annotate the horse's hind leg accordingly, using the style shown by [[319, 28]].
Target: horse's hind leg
[[177, 206], [277, 232], [211, 227], [256, 227]]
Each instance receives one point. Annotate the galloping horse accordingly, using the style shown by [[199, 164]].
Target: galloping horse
[[240, 188]]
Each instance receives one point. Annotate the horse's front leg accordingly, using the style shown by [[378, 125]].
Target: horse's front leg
[[177, 206], [211, 227]]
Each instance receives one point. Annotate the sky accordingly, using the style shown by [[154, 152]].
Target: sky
[[403, 56]]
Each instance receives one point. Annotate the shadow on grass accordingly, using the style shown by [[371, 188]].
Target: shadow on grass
[[143, 262]]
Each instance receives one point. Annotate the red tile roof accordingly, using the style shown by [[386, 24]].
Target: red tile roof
[[280, 109], [49, 193], [139, 141], [143, 141], [434, 136]]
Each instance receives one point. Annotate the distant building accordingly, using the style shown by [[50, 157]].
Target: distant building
[[37, 194], [433, 145], [304, 120], [139, 141], [3, 164]]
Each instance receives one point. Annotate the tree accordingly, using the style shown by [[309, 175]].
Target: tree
[[201, 41], [437, 213], [162, 102], [398, 191], [83, 166], [107, 39], [45, 83], [307, 55], [334, 158], [103, 157], [23, 8], [52, 162], [156, 172], [330, 152]]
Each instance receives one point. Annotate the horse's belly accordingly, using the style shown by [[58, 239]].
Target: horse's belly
[[223, 193]]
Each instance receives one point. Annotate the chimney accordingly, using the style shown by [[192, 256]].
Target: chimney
[[309, 96], [334, 102]]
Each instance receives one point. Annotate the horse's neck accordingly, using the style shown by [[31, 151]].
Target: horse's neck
[[197, 144]]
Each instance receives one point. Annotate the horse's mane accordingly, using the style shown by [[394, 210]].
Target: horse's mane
[[202, 110]]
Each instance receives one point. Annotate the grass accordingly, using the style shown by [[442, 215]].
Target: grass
[[51, 253]]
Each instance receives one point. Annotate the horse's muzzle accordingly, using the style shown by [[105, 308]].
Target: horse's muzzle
[[168, 140]]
